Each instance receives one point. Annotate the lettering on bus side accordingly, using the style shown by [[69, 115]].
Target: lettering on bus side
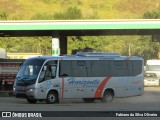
[[84, 83]]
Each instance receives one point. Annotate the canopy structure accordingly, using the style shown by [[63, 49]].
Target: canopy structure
[[79, 27], [60, 29]]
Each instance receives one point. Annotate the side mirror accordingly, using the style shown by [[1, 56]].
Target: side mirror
[[20, 65]]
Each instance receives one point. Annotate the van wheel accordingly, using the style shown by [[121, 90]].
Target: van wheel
[[107, 96], [88, 100], [52, 97], [32, 101]]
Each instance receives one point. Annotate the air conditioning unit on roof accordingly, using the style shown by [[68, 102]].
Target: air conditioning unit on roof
[[98, 54]]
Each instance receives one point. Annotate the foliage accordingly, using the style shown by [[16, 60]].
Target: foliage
[[151, 49], [138, 45], [27, 44], [94, 42], [146, 48], [103, 9], [71, 13], [42, 16], [154, 14], [3, 15]]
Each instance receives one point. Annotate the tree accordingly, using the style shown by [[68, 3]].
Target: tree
[[27, 44], [3, 15], [152, 49], [154, 14], [96, 43]]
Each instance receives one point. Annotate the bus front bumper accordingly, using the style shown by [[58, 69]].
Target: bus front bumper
[[24, 93]]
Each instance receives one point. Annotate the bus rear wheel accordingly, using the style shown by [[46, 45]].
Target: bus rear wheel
[[52, 98], [108, 96], [32, 101], [88, 100]]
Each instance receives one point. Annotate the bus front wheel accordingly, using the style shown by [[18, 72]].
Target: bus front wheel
[[52, 97], [107, 96]]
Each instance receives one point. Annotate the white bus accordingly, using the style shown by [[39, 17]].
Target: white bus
[[89, 76]]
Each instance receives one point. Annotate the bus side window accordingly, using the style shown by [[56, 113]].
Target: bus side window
[[80, 68], [119, 68], [65, 68], [53, 71], [48, 73], [100, 68], [137, 67], [42, 75]]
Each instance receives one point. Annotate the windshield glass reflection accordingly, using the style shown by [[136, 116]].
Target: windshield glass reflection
[[29, 70]]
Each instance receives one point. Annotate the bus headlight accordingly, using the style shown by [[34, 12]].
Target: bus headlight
[[30, 90], [14, 89]]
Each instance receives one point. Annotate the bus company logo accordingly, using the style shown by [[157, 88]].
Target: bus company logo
[[84, 83], [56, 85], [21, 114], [6, 114]]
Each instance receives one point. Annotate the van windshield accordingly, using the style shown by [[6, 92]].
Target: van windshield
[[153, 68], [29, 70]]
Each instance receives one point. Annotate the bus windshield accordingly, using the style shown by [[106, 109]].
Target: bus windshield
[[29, 70]]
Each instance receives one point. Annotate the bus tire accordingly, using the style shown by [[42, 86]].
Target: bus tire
[[32, 101], [88, 100], [52, 97], [107, 96]]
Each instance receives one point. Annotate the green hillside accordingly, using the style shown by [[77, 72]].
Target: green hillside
[[86, 9]]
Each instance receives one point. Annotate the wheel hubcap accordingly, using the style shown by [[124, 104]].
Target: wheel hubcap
[[108, 97], [51, 98]]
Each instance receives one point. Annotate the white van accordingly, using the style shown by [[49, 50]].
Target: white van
[[151, 79], [152, 73], [153, 66]]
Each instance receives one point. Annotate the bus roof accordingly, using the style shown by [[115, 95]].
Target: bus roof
[[81, 57]]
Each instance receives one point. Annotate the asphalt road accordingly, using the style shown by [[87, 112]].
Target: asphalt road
[[149, 101]]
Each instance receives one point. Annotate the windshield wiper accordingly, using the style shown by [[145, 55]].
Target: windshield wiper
[[18, 78], [21, 78], [24, 78]]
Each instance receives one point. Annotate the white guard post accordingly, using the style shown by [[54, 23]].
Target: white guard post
[[55, 47]]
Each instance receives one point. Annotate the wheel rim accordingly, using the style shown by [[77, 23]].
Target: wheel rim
[[108, 97], [51, 98]]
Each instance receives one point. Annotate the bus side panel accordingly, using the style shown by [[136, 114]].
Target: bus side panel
[[118, 85], [126, 86], [80, 87], [119, 92]]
